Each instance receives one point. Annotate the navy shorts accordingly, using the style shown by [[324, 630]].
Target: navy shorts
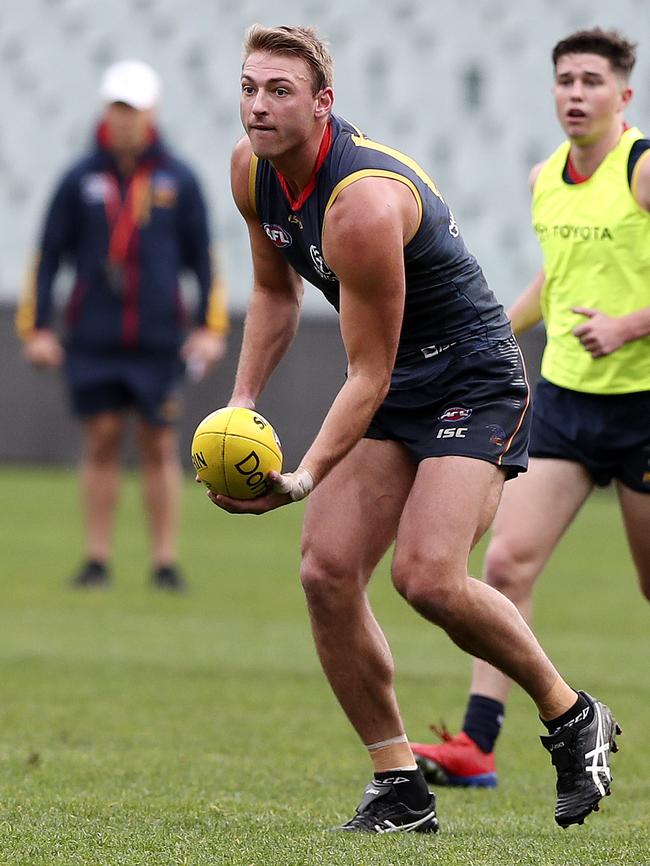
[[469, 400], [115, 383], [609, 434]]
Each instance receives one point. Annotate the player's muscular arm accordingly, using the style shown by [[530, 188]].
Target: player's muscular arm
[[527, 310], [274, 308], [363, 242]]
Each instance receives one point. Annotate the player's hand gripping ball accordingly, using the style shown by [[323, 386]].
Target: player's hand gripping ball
[[233, 451]]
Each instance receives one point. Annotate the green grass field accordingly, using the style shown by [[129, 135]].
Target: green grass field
[[139, 728]]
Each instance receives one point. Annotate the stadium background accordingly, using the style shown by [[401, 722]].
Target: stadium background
[[463, 87]]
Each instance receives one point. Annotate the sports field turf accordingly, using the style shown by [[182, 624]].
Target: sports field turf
[[139, 728]]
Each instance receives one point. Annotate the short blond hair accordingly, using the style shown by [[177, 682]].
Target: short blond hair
[[297, 41]]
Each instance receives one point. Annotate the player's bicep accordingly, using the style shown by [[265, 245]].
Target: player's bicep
[[363, 242]]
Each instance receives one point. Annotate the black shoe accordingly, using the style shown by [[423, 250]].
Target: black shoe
[[91, 574], [381, 811], [169, 577], [580, 754]]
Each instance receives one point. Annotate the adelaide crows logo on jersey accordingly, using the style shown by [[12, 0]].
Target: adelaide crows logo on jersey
[[164, 190], [319, 264], [280, 237]]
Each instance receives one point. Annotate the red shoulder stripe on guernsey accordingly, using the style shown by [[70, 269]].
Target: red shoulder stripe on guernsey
[[325, 146]]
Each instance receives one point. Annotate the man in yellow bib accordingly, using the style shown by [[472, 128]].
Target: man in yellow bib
[[591, 411]]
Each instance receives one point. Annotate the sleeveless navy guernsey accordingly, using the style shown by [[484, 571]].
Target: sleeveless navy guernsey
[[447, 297]]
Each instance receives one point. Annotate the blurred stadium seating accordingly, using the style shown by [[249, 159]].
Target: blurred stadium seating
[[462, 87]]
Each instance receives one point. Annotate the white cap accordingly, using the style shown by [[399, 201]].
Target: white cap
[[132, 82]]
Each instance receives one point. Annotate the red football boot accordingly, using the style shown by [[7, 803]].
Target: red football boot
[[457, 761]]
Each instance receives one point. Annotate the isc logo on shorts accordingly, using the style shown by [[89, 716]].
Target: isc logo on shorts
[[452, 433]]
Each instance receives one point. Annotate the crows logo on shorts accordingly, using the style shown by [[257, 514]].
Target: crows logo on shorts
[[497, 434], [455, 413]]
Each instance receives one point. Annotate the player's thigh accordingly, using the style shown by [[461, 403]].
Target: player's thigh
[[451, 504], [537, 507], [636, 516], [352, 516], [102, 434]]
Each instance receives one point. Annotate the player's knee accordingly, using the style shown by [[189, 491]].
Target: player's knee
[[428, 585], [102, 450], [325, 581], [401, 575], [159, 447], [439, 604], [159, 455], [509, 570]]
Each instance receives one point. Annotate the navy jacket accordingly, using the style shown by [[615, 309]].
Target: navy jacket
[[144, 311]]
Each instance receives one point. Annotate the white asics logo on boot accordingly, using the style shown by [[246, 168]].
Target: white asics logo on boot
[[599, 757]]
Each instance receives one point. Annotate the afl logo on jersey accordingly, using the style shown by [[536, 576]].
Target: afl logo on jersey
[[280, 237], [319, 264], [455, 413]]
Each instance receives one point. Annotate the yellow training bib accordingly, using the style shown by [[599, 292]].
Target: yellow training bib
[[596, 244]]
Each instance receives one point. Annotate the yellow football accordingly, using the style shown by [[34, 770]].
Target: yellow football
[[233, 451]]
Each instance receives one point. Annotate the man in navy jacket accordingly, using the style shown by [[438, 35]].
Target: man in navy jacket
[[130, 218]]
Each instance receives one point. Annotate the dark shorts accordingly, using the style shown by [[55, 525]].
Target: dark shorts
[[115, 383], [609, 434], [470, 400]]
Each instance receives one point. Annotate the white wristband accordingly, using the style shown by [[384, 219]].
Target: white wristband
[[297, 484]]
